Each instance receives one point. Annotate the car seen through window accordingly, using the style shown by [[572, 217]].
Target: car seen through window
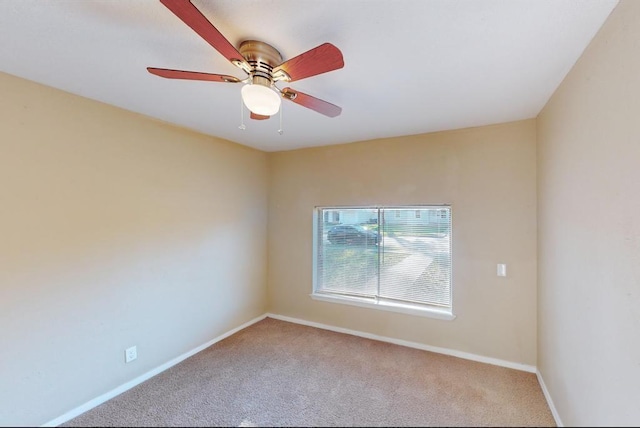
[[351, 234]]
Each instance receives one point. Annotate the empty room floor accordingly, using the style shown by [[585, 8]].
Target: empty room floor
[[276, 373]]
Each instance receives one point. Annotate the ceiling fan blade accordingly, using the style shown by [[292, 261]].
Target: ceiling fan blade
[[191, 75], [191, 16], [318, 60], [258, 116], [316, 104]]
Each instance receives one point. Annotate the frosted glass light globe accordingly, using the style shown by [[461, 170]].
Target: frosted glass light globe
[[261, 99]]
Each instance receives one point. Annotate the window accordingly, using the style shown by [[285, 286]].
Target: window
[[381, 257]]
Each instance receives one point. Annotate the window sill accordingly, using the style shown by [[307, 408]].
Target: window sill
[[441, 314]]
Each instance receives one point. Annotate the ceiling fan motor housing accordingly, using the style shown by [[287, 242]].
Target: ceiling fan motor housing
[[262, 58]]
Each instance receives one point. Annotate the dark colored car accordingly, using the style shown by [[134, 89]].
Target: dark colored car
[[351, 234]]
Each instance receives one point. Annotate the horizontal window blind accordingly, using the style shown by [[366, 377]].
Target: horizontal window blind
[[395, 254]]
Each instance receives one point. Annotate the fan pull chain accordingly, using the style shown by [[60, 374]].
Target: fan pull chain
[[242, 126], [280, 131]]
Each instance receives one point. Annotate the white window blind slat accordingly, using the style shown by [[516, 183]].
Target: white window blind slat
[[400, 254]]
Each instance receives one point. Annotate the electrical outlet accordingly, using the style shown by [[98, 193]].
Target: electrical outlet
[[130, 354], [502, 269]]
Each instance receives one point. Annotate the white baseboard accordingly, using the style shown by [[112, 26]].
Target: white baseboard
[[138, 380], [552, 406], [128, 385], [446, 351]]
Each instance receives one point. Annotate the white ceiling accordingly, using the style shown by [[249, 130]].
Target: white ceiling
[[411, 66]]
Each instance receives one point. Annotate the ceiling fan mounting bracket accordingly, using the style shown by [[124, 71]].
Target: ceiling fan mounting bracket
[[241, 65], [230, 79], [288, 94], [281, 75]]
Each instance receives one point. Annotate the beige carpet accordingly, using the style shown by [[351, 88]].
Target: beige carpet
[[276, 373]]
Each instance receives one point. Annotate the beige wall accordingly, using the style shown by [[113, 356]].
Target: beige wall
[[488, 174], [115, 230], [589, 231]]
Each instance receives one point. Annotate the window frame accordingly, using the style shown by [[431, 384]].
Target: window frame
[[424, 310]]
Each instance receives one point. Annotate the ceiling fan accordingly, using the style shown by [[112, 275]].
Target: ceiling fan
[[263, 65]]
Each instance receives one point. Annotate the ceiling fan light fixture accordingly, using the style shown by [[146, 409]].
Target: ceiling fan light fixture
[[263, 65], [261, 99]]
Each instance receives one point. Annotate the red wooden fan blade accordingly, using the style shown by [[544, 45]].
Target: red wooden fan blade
[[313, 103], [318, 60], [191, 16], [191, 75], [258, 116]]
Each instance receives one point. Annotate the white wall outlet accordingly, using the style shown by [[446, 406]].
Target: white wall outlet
[[502, 269], [130, 354]]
